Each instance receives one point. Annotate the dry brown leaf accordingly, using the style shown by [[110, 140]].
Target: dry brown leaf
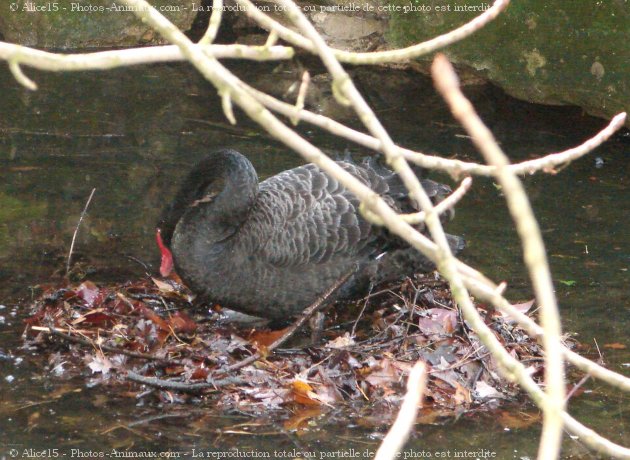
[[181, 322], [303, 393], [462, 394], [342, 341], [263, 339], [163, 286], [383, 374]]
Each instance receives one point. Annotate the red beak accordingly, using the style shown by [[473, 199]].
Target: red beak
[[166, 266]]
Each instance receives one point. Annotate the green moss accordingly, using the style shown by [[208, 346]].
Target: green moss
[[542, 51], [12, 209], [73, 24]]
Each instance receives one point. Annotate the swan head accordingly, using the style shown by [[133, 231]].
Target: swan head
[[211, 203]]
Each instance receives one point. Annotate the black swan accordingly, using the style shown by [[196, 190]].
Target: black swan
[[270, 249]]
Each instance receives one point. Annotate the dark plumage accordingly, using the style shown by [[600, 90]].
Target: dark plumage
[[270, 249]]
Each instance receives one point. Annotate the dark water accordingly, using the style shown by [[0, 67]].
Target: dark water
[[132, 134]]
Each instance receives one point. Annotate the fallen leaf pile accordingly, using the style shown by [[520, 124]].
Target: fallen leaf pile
[[148, 337]]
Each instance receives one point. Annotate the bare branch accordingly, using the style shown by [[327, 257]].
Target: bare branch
[[443, 206], [16, 70], [183, 386], [534, 253], [301, 97], [103, 60], [214, 23], [490, 294], [380, 57], [226, 105], [454, 167], [552, 160], [76, 230], [399, 432]]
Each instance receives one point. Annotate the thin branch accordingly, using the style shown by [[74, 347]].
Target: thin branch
[[552, 160], [103, 60], [76, 230], [379, 57], [226, 105], [183, 386], [89, 343], [446, 204], [306, 314], [454, 167], [301, 97], [213, 24], [399, 432], [272, 38], [16, 70], [534, 253], [487, 293]]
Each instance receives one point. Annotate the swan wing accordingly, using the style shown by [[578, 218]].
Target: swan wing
[[303, 216]]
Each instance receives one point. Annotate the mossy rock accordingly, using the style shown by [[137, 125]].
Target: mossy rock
[[64, 24], [550, 52]]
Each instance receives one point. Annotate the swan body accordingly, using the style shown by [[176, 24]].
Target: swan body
[[270, 249]]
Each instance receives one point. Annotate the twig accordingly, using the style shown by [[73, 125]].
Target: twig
[[213, 24], [399, 432], [379, 57], [183, 386], [454, 167], [360, 315], [316, 306], [103, 60], [534, 252], [76, 230], [443, 206], [489, 294], [577, 386], [16, 70], [89, 343], [301, 97]]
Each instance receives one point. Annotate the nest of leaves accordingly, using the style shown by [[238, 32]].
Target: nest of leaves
[[150, 333]]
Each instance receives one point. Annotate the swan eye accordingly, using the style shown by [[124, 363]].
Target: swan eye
[[208, 191], [204, 199]]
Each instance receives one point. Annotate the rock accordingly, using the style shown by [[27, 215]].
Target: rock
[[347, 30], [78, 25], [549, 52], [345, 24]]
